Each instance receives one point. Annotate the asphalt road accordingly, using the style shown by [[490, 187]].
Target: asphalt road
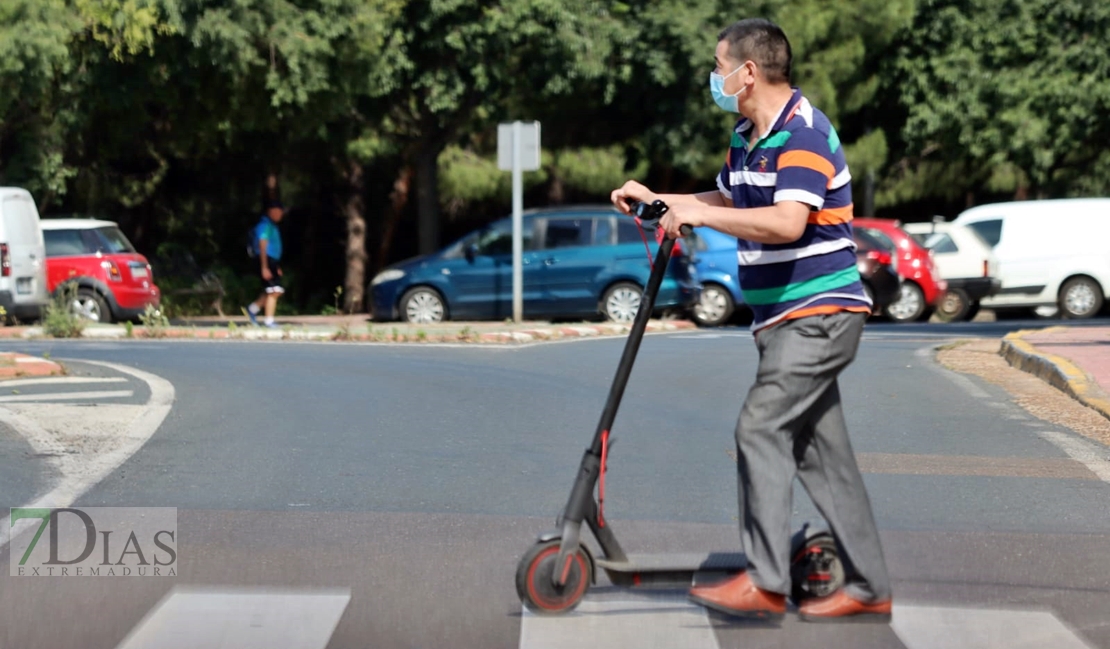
[[413, 478]]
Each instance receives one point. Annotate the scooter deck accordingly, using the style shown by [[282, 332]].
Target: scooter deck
[[661, 570]]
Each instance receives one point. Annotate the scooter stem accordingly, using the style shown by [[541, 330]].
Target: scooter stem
[[581, 503]]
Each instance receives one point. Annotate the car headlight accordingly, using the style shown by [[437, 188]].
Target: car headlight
[[387, 276]]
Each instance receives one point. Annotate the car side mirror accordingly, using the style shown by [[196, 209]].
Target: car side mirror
[[471, 251]]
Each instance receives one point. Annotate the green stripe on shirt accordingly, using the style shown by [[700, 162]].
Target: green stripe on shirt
[[776, 140], [800, 290], [834, 141]]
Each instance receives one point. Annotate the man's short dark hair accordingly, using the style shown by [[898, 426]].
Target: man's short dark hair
[[762, 41]]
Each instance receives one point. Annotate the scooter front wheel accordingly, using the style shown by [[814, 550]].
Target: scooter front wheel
[[537, 589]]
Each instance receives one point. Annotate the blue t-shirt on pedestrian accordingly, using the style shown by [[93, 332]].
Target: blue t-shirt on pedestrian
[[268, 230]]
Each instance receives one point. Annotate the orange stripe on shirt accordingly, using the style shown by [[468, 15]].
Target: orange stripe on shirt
[[809, 160], [832, 216], [825, 310]]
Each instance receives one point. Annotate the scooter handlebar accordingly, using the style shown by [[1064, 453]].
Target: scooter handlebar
[[653, 212]]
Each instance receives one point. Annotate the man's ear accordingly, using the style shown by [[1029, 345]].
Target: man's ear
[[753, 68]]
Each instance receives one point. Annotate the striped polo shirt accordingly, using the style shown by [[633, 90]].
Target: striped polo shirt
[[799, 159]]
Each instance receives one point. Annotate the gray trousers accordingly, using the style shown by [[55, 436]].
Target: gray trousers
[[792, 424]]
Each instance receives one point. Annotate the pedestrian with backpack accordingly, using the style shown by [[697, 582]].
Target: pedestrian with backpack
[[266, 248]]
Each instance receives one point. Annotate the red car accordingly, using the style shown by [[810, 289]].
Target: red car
[[922, 286], [113, 281]]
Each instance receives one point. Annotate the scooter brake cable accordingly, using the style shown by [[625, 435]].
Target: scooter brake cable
[[601, 478], [647, 248]]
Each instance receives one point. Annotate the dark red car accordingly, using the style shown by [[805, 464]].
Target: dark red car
[[921, 287], [876, 270], [113, 281]]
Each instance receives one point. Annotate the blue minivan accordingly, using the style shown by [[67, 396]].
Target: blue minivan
[[578, 262]]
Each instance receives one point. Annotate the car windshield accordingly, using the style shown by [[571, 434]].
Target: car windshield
[[940, 243], [85, 241], [876, 239], [111, 240], [989, 231], [495, 239]]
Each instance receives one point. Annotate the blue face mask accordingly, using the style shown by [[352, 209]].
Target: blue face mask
[[717, 87]]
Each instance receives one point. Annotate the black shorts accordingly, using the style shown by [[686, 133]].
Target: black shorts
[[272, 285]]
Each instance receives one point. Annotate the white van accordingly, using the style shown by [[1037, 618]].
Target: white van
[[1052, 253], [964, 260], [22, 256]]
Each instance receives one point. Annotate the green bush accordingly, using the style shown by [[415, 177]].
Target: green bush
[[154, 322], [59, 319]]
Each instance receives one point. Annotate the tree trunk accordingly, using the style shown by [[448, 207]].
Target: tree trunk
[[398, 200], [354, 209], [557, 191], [427, 198], [271, 190]]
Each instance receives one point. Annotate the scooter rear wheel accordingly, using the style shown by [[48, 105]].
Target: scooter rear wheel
[[536, 588], [816, 570]]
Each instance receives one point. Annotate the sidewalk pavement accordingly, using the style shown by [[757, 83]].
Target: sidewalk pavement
[[1076, 360]]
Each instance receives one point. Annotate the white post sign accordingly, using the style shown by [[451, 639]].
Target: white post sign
[[518, 150]]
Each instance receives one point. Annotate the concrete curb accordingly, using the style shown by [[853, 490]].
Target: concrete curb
[[380, 334], [1057, 371]]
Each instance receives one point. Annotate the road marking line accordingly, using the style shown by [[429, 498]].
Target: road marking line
[[965, 384], [658, 621], [935, 627], [974, 465], [61, 380], [68, 396], [240, 619], [1096, 458], [94, 469]]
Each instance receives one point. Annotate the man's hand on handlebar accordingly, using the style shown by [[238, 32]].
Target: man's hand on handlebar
[[678, 217], [630, 192]]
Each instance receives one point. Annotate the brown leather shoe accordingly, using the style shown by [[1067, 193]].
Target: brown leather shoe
[[842, 607], [738, 596]]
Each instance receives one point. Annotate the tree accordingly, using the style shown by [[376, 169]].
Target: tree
[[1012, 95], [455, 67]]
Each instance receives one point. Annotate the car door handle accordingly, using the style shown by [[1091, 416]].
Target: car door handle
[[550, 261]]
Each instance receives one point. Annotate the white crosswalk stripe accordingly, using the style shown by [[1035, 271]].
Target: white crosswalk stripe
[[935, 627], [619, 620], [189, 618], [627, 620]]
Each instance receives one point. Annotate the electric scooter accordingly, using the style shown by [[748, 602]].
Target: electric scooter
[[555, 573]]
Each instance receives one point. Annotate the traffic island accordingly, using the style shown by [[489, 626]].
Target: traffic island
[[353, 330], [13, 365]]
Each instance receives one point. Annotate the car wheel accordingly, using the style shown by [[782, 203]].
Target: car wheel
[[621, 302], [972, 311], [1080, 297], [909, 306], [714, 307], [955, 305], [88, 304], [423, 305]]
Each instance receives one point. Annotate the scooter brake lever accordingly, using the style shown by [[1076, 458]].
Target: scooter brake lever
[[648, 212]]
